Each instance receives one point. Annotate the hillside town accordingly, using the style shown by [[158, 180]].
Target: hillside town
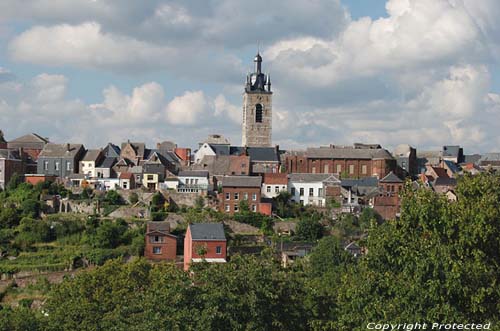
[[335, 180]]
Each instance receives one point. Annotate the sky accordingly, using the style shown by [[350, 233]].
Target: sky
[[418, 72]]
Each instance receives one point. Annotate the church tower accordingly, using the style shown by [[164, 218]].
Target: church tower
[[257, 108]]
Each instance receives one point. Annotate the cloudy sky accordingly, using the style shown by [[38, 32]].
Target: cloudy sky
[[422, 72]]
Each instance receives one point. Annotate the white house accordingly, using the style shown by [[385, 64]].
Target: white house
[[92, 158], [273, 184], [193, 181], [310, 189]]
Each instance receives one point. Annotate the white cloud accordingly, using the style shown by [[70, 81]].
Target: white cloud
[[186, 109]]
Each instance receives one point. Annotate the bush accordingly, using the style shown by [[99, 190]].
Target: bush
[[114, 198], [133, 198], [309, 229]]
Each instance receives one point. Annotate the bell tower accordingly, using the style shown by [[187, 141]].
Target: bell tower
[[257, 108]]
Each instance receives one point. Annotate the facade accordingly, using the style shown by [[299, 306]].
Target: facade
[[126, 181], [151, 181], [133, 152], [161, 245], [205, 241], [273, 184], [347, 162], [31, 144], [61, 160], [105, 168], [92, 158], [10, 163], [194, 182], [387, 203], [257, 108], [240, 188], [314, 189]]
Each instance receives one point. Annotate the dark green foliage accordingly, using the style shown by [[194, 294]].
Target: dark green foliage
[[309, 229], [133, 198], [158, 216], [157, 202], [30, 208], [114, 198], [8, 216], [109, 234], [14, 182]]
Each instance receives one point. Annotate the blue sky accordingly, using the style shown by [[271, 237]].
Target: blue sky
[[419, 72]]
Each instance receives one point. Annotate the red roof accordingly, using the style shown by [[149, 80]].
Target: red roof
[[440, 172], [126, 175], [276, 178]]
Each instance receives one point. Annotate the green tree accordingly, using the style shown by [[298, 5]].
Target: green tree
[[133, 198], [114, 198], [309, 229]]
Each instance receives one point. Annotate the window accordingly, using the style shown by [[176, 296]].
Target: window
[[125, 185], [227, 208], [243, 165], [68, 165], [313, 170], [326, 169], [236, 208], [156, 239], [245, 196], [301, 192], [45, 165], [339, 168], [254, 196], [56, 165], [150, 177], [89, 165], [311, 192], [320, 192], [228, 196], [292, 190], [156, 250], [258, 113], [218, 250], [236, 196], [254, 208], [351, 169], [268, 189], [363, 169], [276, 189]]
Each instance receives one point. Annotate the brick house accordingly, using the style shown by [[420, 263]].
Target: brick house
[[10, 163], [205, 241], [387, 203], [352, 162], [273, 184], [238, 188], [160, 243]]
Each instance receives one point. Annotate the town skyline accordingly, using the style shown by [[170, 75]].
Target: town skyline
[[385, 72]]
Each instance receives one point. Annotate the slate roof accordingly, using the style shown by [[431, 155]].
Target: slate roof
[[451, 151], [312, 178], [241, 181], [163, 227], [263, 154], [111, 150], [193, 173], [60, 150], [391, 178], [220, 149], [91, 155], [216, 165], [440, 181], [107, 162], [474, 158], [140, 148], [207, 231], [364, 182], [348, 153], [452, 166]]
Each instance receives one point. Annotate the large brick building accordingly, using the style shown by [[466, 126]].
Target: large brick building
[[240, 188], [347, 162], [205, 241]]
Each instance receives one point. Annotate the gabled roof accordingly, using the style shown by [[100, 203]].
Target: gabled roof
[[440, 172], [111, 150], [440, 181], [126, 175], [124, 162], [452, 166], [92, 155], [241, 181], [139, 148], [391, 178], [193, 173], [156, 157], [30, 138], [163, 227], [60, 150], [207, 231], [313, 178]]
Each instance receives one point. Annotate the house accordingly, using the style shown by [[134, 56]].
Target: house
[[105, 168], [406, 159], [435, 172], [263, 159], [454, 154], [194, 182], [289, 252], [205, 242], [151, 181], [387, 203], [10, 164], [88, 164], [313, 189], [240, 188], [358, 192], [126, 181], [444, 184], [345, 161], [273, 184], [425, 158], [31, 144], [111, 150], [155, 170], [215, 144], [161, 245], [133, 152], [239, 165], [451, 168], [60, 160]]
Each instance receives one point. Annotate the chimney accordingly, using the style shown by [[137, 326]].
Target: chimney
[[68, 147]]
